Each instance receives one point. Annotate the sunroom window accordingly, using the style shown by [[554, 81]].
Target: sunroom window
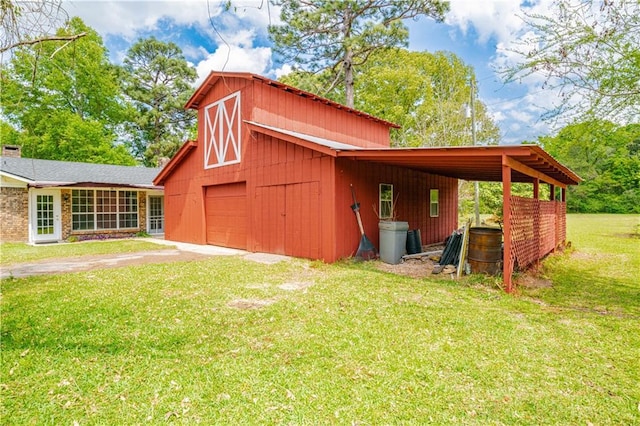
[[103, 209]]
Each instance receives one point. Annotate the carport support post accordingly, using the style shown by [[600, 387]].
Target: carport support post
[[536, 218], [507, 267], [563, 197]]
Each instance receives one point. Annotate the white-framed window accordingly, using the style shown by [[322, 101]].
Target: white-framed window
[[82, 210], [103, 209], [106, 209], [127, 209], [434, 205], [385, 206]]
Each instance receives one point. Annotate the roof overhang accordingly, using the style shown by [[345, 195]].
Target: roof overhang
[[16, 177], [182, 153], [47, 184], [481, 163], [527, 163]]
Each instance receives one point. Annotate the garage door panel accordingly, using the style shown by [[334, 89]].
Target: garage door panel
[[226, 215]]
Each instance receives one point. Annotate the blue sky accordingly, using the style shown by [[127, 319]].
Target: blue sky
[[479, 31]]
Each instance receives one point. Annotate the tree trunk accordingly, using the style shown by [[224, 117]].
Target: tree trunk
[[347, 65], [347, 62]]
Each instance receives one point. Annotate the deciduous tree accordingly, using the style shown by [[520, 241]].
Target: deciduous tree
[[65, 106], [589, 51], [607, 157], [425, 93]]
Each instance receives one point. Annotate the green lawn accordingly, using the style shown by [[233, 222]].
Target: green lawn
[[11, 253], [229, 341]]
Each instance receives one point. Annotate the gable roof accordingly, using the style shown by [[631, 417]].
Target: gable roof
[[67, 173], [214, 77], [177, 158]]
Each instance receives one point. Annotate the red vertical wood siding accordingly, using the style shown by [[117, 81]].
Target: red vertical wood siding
[[268, 222], [184, 209], [411, 187], [279, 108], [291, 211], [297, 199]]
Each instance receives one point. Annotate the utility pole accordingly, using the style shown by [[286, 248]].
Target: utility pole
[[473, 136]]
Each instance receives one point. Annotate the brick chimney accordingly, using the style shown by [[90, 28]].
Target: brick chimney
[[11, 151]]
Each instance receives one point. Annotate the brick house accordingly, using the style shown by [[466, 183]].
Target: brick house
[[47, 201]]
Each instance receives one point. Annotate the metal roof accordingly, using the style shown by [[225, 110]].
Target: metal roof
[[335, 145], [67, 173]]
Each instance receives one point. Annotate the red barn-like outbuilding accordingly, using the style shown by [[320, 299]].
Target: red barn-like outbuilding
[[272, 167], [264, 174]]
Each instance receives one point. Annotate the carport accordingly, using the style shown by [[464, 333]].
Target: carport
[[532, 227]]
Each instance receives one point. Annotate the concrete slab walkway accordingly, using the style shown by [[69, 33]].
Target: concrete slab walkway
[[181, 252]]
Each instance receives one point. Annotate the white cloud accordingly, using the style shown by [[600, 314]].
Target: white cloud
[[497, 116], [282, 71], [127, 18], [500, 19], [235, 58], [192, 51], [260, 13], [521, 115], [239, 26], [497, 18], [242, 38]]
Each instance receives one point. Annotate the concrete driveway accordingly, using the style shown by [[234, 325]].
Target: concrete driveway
[[181, 253]]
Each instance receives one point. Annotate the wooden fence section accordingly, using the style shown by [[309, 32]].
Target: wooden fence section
[[538, 227]]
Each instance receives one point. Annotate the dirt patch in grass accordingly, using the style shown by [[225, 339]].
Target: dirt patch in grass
[[632, 235], [603, 258], [418, 267], [415, 268], [295, 285], [250, 303], [99, 261], [530, 280], [579, 255]]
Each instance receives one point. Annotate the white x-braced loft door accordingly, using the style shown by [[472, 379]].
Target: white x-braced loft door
[[222, 138]]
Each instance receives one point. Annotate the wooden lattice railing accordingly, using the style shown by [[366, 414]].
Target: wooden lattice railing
[[537, 228]]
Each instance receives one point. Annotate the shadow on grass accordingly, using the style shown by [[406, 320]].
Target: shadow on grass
[[580, 288]]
